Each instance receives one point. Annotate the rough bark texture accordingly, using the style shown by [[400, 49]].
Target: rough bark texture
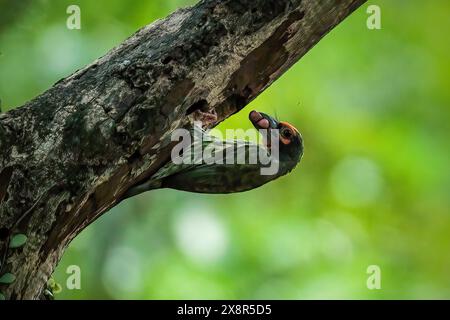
[[68, 156]]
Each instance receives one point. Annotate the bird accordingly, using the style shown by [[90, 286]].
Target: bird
[[201, 174]]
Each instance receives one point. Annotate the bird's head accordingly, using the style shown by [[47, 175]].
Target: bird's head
[[290, 139]]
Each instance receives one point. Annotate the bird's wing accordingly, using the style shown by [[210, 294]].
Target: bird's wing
[[205, 152], [218, 166]]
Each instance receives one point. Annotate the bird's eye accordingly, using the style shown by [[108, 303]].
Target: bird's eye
[[286, 133]]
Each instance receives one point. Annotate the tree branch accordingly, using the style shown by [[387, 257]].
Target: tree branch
[[71, 153]]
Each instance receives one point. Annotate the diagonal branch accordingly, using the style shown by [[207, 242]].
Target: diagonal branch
[[72, 152]]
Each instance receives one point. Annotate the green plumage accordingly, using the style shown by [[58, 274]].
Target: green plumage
[[202, 176]]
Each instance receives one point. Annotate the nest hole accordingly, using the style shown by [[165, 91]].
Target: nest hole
[[201, 105]]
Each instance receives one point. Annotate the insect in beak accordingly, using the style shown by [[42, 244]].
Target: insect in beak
[[262, 121]]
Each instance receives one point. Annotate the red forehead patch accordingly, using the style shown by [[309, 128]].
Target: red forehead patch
[[288, 125]]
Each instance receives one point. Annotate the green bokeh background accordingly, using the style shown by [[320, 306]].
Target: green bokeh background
[[372, 188]]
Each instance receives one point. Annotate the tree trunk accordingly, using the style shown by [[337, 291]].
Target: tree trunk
[[70, 154]]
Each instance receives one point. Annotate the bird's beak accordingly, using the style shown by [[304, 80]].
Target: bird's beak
[[262, 121]]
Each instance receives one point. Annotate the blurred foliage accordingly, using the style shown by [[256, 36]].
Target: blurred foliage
[[372, 188]]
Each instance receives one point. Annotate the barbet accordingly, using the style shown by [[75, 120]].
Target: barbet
[[211, 171]]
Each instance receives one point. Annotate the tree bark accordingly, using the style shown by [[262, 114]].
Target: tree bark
[[70, 154]]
